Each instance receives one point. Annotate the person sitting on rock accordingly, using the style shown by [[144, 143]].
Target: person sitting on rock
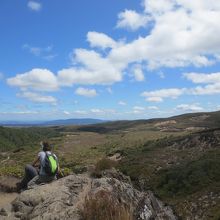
[[46, 169]]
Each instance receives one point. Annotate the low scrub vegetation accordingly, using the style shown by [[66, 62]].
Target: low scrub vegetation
[[13, 138], [191, 177], [101, 165]]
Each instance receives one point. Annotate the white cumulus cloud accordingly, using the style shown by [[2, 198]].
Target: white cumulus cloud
[[100, 40], [178, 33], [35, 97], [211, 79], [138, 110], [97, 111], [109, 90], [190, 107], [182, 34], [66, 112], [80, 112], [36, 79], [138, 73], [132, 20], [43, 52], [122, 103], [102, 112], [203, 77], [154, 99], [86, 92], [35, 6], [159, 7], [211, 89], [159, 95], [161, 75], [93, 69], [152, 108]]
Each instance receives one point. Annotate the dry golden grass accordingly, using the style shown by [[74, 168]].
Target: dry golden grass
[[103, 206]]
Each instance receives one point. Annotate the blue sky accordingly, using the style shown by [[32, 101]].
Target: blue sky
[[108, 59]]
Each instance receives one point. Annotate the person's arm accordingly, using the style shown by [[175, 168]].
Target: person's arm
[[59, 171], [36, 161], [58, 168]]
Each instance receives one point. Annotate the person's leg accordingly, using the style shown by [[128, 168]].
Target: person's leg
[[40, 180], [30, 173], [46, 179], [32, 183]]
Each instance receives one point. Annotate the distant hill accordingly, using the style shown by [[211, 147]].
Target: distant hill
[[80, 121], [61, 122], [201, 120], [190, 121]]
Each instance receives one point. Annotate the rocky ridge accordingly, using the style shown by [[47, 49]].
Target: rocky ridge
[[67, 198]]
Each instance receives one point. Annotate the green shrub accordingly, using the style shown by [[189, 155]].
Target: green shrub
[[105, 164], [66, 171], [101, 165]]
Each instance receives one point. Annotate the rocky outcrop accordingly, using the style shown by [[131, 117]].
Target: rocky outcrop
[[65, 199]]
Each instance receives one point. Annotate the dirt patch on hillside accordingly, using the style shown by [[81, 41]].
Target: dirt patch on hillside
[[115, 157], [165, 123]]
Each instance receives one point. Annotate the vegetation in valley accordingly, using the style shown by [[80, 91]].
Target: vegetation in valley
[[194, 176], [14, 138]]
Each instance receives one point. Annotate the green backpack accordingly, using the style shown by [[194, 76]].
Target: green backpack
[[50, 164]]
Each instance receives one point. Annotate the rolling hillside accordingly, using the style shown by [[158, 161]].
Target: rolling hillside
[[177, 157], [193, 121]]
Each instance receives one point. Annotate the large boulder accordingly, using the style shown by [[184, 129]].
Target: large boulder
[[68, 198]]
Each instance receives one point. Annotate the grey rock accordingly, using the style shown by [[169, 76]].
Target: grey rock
[[3, 212], [65, 199]]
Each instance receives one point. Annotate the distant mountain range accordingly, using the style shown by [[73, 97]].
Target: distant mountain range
[[189, 120], [74, 121]]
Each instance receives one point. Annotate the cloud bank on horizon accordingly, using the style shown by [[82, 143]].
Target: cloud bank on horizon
[[166, 61]]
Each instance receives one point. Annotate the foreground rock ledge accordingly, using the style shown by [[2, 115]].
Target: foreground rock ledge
[[65, 199]]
